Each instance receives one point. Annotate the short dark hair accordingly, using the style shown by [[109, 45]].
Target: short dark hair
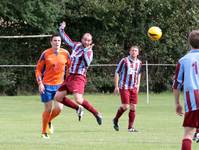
[[193, 39], [55, 35], [134, 46]]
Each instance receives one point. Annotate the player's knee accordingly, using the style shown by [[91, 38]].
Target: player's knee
[[125, 107], [78, 98], [58, 97], [133, 107], [48, 108]]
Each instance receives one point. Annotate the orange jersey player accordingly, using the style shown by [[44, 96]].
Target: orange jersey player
[[50, 71], [51, 67]]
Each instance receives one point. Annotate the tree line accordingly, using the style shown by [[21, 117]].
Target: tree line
[[115, 26]]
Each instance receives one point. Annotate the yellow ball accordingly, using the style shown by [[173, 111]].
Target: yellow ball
[[154, 33]]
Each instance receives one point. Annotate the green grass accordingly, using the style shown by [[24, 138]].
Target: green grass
[[159, 127]]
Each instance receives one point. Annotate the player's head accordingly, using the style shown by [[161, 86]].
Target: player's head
[[87, 39], [134, 51], [193, 39], [55, 41]]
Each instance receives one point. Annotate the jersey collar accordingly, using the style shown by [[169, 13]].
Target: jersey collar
[[194, 51], [131, 59]]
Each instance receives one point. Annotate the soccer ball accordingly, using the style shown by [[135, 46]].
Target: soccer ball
[[154, 33]]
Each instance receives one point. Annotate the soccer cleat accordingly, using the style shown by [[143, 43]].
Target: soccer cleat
[[50, 128], [196, 137], [132, 130], [99, 118], [80, 112], [197, 140], [45, 136], [115, 125]]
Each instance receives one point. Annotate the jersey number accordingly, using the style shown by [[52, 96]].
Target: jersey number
[[195, 67]]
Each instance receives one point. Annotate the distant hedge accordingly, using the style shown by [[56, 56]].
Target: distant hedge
[[115, 26]]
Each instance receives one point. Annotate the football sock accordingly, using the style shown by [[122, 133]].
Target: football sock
[[55, 112], [197, 130], [119, 113], [131, 118], [45, 120], [67, 102], [186, 144], [89, 107]]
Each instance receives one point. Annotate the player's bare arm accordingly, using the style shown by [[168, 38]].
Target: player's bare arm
[[138, 84], [177, 102], [116, 79]]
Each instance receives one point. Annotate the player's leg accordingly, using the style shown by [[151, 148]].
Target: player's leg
[[55, 112], [124, 95], [187, 139], [132, 112], [80, 100], [60, 96], [45, 118]]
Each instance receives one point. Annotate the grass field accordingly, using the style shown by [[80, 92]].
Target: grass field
[[159, 127]]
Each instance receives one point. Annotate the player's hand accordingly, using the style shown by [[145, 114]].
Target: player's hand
[[41, 88], [63, 25], [90, 46], [116, 91], [179, 110]]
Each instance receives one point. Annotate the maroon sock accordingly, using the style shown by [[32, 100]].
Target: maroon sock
[[67, 102], [131, 118], [119, 113], [186, 144], [89, 107], [197, 130]]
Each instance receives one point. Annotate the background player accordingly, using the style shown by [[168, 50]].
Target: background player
[[49, 72], [127, 83], [81, 57], [187, 74]]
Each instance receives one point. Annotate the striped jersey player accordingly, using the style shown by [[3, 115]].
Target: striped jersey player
[[187, 75], [128, 70], [127, 82], [81, 58]]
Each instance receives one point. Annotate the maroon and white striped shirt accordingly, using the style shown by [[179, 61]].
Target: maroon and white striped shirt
[[128, 70], [81, 57]]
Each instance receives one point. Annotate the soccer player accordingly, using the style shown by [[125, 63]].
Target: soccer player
[[127, 83], [50, 71], [187, 74], [81, 57]]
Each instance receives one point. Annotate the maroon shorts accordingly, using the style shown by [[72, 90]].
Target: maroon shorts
[[129, 96], [191, 119], [74, 84]]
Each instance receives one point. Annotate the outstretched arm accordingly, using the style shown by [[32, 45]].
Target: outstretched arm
[[64, 36]]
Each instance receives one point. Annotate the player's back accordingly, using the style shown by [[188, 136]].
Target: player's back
[[190, 64]]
